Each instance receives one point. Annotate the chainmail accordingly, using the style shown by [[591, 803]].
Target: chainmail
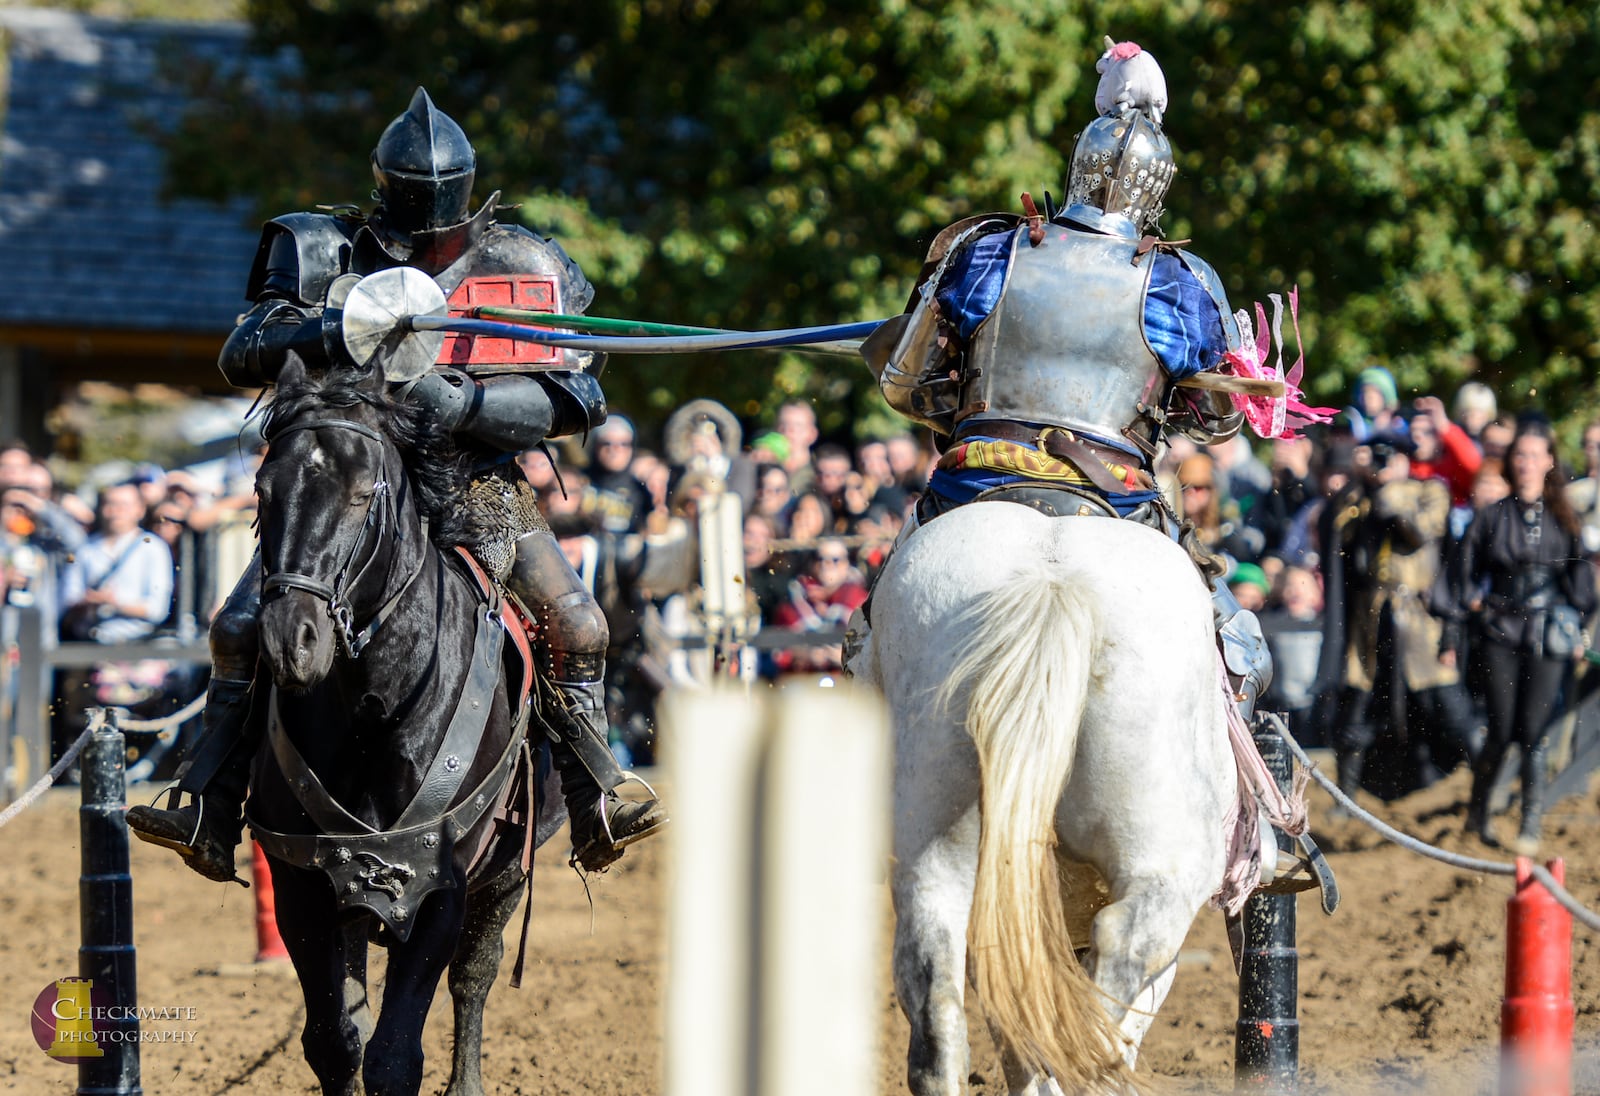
[[501, 509]]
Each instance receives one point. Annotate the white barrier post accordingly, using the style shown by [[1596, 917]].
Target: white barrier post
[[776, 927]]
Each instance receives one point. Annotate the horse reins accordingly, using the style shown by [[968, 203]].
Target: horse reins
[[379, 515]]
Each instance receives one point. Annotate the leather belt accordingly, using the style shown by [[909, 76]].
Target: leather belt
[[1089, 458]]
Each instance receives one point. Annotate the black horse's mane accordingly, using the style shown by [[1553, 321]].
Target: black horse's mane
[[439, 473]]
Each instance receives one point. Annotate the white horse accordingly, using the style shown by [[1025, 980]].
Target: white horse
[[1057, 707]]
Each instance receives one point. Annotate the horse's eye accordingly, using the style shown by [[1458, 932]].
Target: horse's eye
[[361, 499]]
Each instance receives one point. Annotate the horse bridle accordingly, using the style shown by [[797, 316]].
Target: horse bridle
[[379, 516]]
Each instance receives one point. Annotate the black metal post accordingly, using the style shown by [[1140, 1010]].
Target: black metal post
[[1267, 1035], [105, 913]]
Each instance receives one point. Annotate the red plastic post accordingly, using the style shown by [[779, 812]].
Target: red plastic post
[[1537, 1014], [269, 945]]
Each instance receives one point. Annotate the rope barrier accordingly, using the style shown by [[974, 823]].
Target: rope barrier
[[1469, 863], [166, 723], [96, 721]]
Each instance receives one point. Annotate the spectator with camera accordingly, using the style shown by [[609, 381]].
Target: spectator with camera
[[1446, 452], [1526, 585], [37, 538], [1402, 704], [118, 587]]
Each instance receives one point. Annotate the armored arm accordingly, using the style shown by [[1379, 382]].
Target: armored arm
[[299, 256], [257, 348], [1191, 326], [919, 373], [513, 411]]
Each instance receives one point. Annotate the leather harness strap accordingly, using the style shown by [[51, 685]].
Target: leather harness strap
[[512, 618], [515, 624]]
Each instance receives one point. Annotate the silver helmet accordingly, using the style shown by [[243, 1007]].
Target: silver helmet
[[1122, 161]]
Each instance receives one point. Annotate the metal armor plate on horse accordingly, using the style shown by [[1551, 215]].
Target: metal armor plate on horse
[[1065, 345]]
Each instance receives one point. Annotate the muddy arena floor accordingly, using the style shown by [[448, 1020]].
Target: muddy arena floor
[[1399, 991]]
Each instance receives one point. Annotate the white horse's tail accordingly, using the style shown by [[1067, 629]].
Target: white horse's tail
[[1024, 669]]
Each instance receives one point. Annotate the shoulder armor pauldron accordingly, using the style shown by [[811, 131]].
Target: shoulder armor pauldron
[[322, 247], [1207, 277]]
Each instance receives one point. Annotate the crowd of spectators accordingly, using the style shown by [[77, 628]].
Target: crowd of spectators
[[1424, 577], [140, 558], [1411, 563]]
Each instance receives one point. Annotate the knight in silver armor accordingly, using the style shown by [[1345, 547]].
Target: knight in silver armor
[[496, 404], [1048, 350]]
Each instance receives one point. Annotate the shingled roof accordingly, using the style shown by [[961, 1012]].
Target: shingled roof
[[87, 239]]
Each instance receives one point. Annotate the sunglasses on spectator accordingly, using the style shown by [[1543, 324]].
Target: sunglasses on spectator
[[1197, 487], [833, 559]]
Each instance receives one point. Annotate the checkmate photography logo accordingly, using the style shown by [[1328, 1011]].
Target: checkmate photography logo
[[75, 1022], [64, 1020]]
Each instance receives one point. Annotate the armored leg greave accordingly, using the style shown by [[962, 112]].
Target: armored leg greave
[[573, 643], [573, 637], [220, 761], [1244, 648]]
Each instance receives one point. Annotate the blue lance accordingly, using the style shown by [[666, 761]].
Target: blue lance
[[829, 338], [401, 316]]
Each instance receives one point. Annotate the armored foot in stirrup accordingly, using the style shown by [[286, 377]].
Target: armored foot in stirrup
[[204, 838], [602, 823], [600, 833]]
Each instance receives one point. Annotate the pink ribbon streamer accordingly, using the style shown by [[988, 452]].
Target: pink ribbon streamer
[[1273, 416]]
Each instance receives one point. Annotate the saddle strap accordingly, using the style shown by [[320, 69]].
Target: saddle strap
[[450, 762], [325, 812], [529, 841], [514, 618], [464, 735]]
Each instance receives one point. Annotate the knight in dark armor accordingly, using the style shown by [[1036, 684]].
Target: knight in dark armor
[[495, 404], [1049, 351]]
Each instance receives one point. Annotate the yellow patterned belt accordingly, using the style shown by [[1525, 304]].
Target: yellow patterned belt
[[1019, 460]]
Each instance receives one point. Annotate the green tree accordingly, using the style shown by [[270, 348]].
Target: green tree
[[1426, 172]]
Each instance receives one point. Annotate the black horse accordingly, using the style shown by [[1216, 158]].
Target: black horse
[[397, 737]]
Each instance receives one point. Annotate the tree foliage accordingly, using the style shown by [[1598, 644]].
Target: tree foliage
[[1426, 172]]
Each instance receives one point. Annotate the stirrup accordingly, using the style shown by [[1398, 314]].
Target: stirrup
[[628, 777], [187, 849], [604, 848], [1309, 871]]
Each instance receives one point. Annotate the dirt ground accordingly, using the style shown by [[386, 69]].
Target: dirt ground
[[1399, 991]]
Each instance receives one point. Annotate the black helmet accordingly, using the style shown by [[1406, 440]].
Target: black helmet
[[424, 167]]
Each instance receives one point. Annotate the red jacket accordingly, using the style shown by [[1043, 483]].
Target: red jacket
[[810, 608], [1457, 464]]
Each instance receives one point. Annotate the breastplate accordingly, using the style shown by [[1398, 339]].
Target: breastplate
[[495, 265], [1065, 345]]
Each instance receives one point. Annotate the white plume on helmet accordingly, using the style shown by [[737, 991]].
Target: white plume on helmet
[[1130, 79]]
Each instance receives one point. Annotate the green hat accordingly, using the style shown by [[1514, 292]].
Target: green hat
[[1252, 574], [1383, 380], [774, 443]]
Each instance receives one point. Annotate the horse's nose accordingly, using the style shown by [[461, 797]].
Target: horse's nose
[[304, 652], [296, 642]]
